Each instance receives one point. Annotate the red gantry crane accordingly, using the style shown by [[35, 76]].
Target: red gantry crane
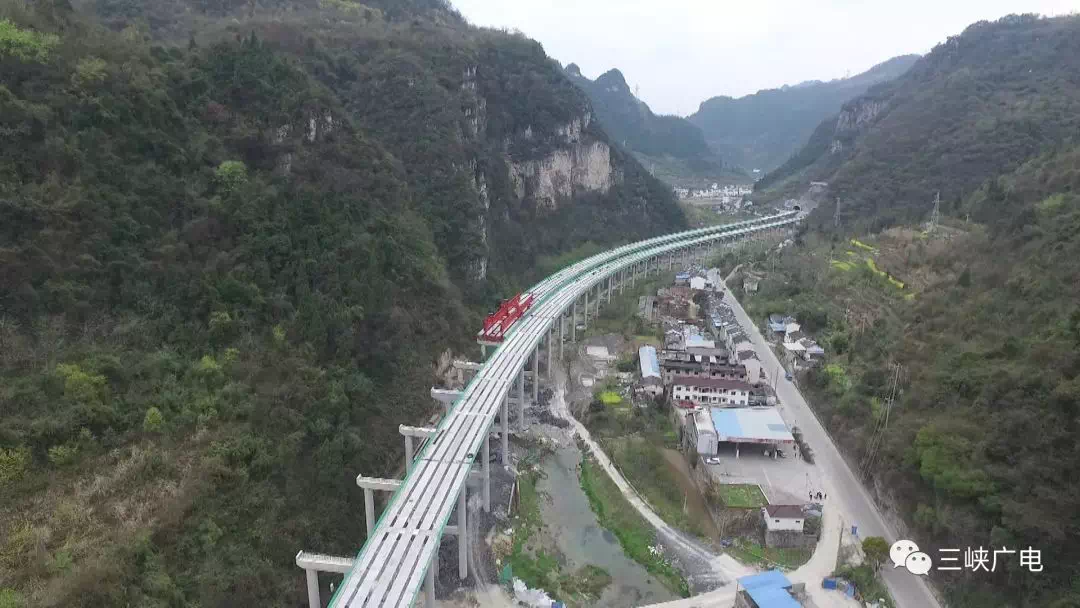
[[498, 323]]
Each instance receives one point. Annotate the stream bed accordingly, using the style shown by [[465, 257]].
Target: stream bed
[[580, 539]]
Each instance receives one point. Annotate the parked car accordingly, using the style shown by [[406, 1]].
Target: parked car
[[712, 460], [787, 375]]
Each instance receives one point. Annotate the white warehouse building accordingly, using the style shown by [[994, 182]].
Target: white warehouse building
[[700, 432]]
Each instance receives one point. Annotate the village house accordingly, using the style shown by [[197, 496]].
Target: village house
[[785, 526], [709, 391], [783, 517], [652, 383]]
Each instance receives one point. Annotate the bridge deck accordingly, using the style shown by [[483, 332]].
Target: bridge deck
[[390, 568]]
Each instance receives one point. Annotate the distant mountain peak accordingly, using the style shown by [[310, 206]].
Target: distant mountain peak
[[635, 127], [613, 78]]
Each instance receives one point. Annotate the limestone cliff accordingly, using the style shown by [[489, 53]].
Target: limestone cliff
[[858, 114], [579, 164]]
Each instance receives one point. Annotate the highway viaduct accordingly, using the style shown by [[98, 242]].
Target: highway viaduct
[[398, 559]]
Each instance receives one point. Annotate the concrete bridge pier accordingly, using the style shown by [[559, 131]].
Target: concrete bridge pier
[[573, 324], [313, 564], [445, 397], [313, 588], [505, 436], [536, 374], [487, 472], [465, 366], [429, 579], [550, 348], [586, 322], [463, 533], [370, 486], [521, 399], [562, 333]]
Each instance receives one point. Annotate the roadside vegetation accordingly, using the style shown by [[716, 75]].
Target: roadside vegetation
[[644, 467], [620, 315], [751, 552], [702, 216], [738, 495], [637, 537], [988, 344], [868, 583]]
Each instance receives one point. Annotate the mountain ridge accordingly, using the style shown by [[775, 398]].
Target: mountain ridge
[[672, 142], [232, 262], [761, 130], [876, 151], [980, 311]]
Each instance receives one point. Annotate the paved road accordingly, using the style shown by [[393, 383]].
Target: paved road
[[846, 493]]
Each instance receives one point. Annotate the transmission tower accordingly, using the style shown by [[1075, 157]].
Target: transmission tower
[[935, 215]]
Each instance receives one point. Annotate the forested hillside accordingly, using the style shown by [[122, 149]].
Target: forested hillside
[[980, 104], [762, 130], [983, 313], [234, 238], [671, 145]]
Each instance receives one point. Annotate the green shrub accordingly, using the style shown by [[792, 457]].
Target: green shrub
[[13, 464], [26, 45], [9, 598], [153, 420], [63, 455], [231, 175]]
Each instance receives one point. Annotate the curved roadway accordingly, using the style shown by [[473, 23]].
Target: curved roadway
[[391, 567]]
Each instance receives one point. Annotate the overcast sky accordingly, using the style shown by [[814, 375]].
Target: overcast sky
[[681, 52]]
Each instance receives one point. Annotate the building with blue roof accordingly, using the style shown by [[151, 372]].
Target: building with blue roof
[[766, 590], [652, 381], [762, 426]]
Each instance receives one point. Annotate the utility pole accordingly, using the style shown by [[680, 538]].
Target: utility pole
[[935, 214], [839, 543], [836, 216]]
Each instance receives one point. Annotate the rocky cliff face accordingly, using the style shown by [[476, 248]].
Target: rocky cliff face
[[581, 164], [586, 166], [858, 114]]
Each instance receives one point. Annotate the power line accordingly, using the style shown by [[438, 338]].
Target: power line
[[882, 426], [935, 215]]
